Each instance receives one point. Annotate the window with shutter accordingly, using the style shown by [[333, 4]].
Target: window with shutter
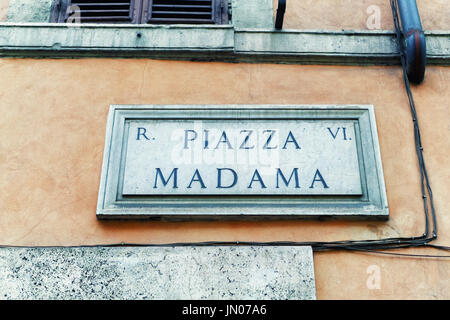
[[185, 11], [141, 11], [97, 11]]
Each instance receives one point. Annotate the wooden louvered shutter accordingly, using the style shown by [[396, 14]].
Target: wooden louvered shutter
[[97, 11], [185, 11]]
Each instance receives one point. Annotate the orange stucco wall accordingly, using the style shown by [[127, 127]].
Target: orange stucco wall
[[4, 4], [353, 14], [53, 129]]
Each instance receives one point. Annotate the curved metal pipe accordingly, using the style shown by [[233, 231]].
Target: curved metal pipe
[[415, 45]]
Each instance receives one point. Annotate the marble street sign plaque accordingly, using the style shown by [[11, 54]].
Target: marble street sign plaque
[[241, 157], [180, 162]]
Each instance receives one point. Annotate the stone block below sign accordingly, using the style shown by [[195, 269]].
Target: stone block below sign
[[158, 273]]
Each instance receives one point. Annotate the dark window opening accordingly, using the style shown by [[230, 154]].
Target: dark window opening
[[141, 11]]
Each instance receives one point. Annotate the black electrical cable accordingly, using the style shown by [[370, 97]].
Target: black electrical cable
[[438, 247], [368, 246]]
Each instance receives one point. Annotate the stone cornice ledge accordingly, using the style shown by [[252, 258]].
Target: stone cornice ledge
[[218, 43], [97, 40]]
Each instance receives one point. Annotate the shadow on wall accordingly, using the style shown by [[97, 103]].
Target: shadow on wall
[[4, 4]]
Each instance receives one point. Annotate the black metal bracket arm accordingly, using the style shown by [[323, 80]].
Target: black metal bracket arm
[[280, 14], [414, 40]]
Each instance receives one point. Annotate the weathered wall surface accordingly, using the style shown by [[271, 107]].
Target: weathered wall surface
[[158, 273], [354, 14], [4, 4], [300, 14], [53, 128], [29, 10]]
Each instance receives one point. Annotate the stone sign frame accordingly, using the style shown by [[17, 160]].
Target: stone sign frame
[[372, 204]]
